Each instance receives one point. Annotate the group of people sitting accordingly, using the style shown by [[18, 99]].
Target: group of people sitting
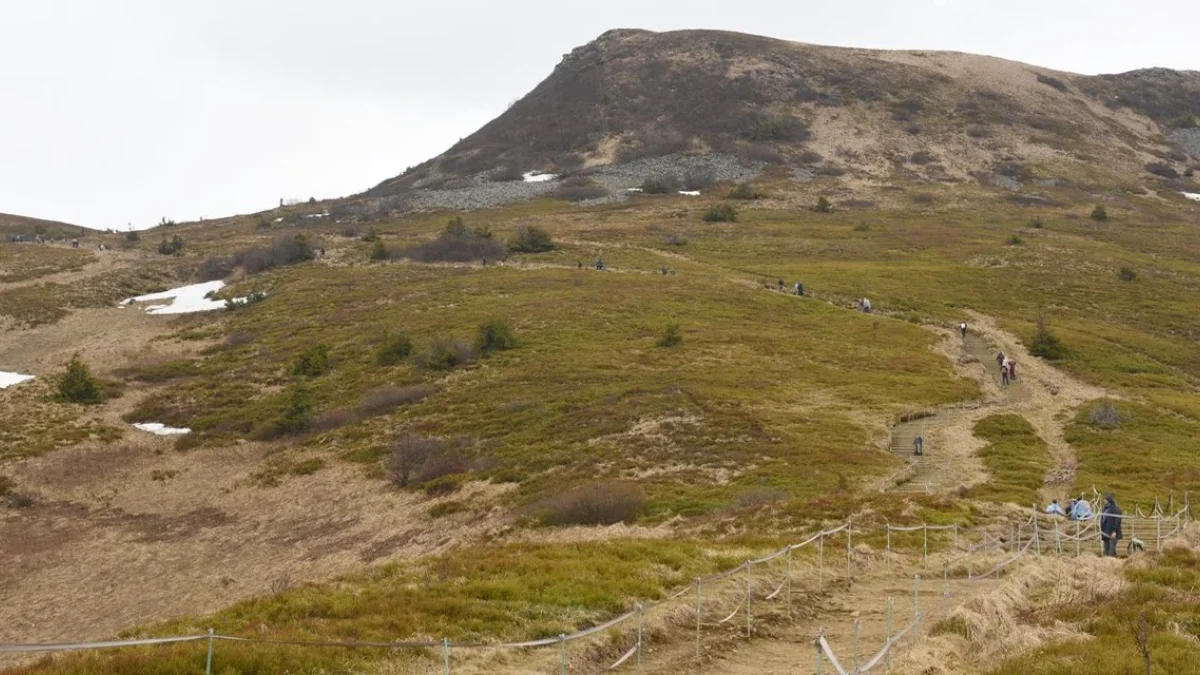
[[1077, 509]]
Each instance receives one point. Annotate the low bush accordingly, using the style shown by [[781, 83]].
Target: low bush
[[1045, 343], [495, 335], [77, 385], [216, 267], [923, 198], [386, 398], [1100, 214], [672, 336], [595, 504], [379, 251], [675, 239], [465, 246], [174, 246], [721, 213], [395, 348], [296, 416], [446, 354], [234, 304], [312, 362], [661, 185], [978, 131], [810, 157], [745, 191], [446, 508], [447, 460], [1015, 240], [133, 236], [579, 189], [1127, 274], [823, 205], [777, 128], [830, 170], [409, 452], [921, 157], [1052, 82], [1036, 223], [1105, 415], [531, 239], [1162, 169], [283, 251], [506, 174], [371, 236], [238, 339], [699, 179]]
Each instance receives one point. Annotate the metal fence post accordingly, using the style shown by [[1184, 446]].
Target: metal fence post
[[821, 564], [562, 642], [446, 653], [847, 550], [1012, 539], [749, 598], [641, 631], [917, 603], [1077, 537], [945, 590], [208, 663], [889, 545], [888, 653], [857, 627], [698, 615], [956, 537], [1158, 534], [1037, 533], [789, 583], [925, 545]]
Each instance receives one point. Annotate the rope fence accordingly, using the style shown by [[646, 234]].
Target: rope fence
[[766, 583]]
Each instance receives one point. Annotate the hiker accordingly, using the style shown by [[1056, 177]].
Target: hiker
[[1110, 525], [1080, 510], [1004, 374], [1012, 370], [867, 305], [1055, 509], [580, 264], [962, 327], [665, 271], [599, 264], [1000, 358], [781, 285], [485, 261], [918, 446], [799, 288]]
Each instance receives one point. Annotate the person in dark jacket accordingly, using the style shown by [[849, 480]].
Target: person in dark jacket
[[1110, 525]]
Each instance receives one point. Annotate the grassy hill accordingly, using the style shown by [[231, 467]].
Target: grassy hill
[[395, 440]]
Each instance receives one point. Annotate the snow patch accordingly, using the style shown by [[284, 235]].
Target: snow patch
[[1191, 195], [539, 177], [161, 429], [690, 193], [9, 379], [634, 190], [186, 299]]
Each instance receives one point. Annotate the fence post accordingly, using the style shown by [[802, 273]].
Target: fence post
[[888, 654], [925, 546], [917, 603], [1012, 539], [1057, 539], [856, 631], [208, 663], [1037, 532], [446, 653], [698, 615], [789, 583], [945, 590], [562, 641], [1158, 535], [889, 545], [749, 598], [1077, 537], [817, 642], [956, 537], [821, 564], [641, 631], [848, 524]]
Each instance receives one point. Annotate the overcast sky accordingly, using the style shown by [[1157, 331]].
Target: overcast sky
[[124, 111]]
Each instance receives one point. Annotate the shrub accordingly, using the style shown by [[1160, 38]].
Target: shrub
[[595, 504], [831, 170], [1126, 274], [699, 179], [442, 462], [1045, 343], [448, 247], [1099, 214], [409, 453], [446, 508], [77, 385], [283, 251], [1053, 82], [234, 304], [238, 339], [660, 185], [1015, 240], [745, 191], [395, 348], [172, 247], [296, 417], [721, 213], [307, 467], [506, 174], [810, 157], [921, 157], [579, 189], [456, 227], [1036, 223], [312, 362], [777, 128], [133, 236], [675, 239], [1105, 415], [823, 205], [379, 251], [383, 399], [914, 129], [21, 500], [216, 267], [923, 198], [371, 235], [495, 335], [446, 354], [671, 336], [1162, 169], [531, 239], [978, 131]]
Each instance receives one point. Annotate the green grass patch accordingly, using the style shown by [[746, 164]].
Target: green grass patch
[[1015, 457]]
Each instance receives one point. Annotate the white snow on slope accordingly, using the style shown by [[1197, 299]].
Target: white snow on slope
[[539, 177], [690, 193], [186, 299], [1191, 195], [161, 429], [9, 379]]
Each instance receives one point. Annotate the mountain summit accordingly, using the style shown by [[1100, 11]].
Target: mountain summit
[[945, 116]]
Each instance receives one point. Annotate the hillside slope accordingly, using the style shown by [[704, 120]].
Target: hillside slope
[[939, 115]]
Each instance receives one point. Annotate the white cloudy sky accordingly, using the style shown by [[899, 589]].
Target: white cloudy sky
[[124, 111]]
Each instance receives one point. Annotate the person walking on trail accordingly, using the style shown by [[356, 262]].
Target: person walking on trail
[[1000, 358], [781, 285], [1110, 525], [1012, 370], [918, 446], [963, 328], [799, 288], [599, 263], [1004, 374]]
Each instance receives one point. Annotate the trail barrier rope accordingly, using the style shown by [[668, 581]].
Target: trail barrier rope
[[1028, 535]]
